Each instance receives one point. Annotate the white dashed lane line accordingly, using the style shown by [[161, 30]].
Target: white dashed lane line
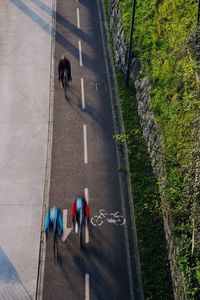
[[87, 286], [82, 94], [87, 239], [85, 144], [86, 193], [78, 18], [80, 53]]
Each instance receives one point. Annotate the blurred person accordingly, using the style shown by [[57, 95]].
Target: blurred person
[[79, 205], [54, 222], [64, 65]]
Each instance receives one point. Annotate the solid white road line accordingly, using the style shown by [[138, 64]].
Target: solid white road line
[[85, 144], [80, 53], [78, 18], [87, 286], [82, 94], [86, 192]]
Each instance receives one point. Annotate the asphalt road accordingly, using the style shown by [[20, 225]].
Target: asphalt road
[[84, 159]]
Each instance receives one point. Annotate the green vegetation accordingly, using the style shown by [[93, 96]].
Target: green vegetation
[[162, 29], [151, 239], [162, 39]]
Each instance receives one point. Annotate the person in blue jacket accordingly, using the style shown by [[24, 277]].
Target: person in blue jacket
[[54, 222]]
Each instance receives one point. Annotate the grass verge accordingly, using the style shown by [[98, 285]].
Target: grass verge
[[149, 223]]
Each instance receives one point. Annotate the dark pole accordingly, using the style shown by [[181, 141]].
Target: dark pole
[[198, 14], [130, 44]]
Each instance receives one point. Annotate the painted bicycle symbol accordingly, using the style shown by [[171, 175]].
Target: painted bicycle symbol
[[114, 218]]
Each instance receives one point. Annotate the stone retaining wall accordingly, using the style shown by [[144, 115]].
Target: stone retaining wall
[[151, 133]]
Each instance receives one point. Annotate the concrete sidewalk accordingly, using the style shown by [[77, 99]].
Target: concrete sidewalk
[[25, 58]]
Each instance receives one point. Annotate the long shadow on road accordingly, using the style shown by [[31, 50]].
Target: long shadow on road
[[67, 45], [93, 259], [64, 22]]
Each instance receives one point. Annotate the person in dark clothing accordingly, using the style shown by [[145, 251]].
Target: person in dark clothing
[[64, 65], [78, 205]]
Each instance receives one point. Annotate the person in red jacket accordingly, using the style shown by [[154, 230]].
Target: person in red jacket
[[79, 205]]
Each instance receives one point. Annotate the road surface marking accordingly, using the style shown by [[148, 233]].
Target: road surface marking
[[96, 86], [87, 238], [66, 231], [85, 144], [78, 18], [86, 193], [87, 286], [80, 53], [82, 94], [112, 218]]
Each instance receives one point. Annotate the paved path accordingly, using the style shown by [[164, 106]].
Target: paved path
[[25, 52], [84, 161]]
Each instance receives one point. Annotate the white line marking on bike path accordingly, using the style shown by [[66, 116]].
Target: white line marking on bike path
[[86, 192], [87, 286], [82, 94], [78, 18], [66, 230], [80, 53], [85, 144], [64, 218]]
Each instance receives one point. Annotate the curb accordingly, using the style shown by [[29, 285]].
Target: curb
[[42, 250]]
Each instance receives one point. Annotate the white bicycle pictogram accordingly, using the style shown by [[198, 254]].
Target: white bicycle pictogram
[[114, 218]]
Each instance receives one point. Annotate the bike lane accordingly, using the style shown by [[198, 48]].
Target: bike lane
[[84, 161], [25, 59]]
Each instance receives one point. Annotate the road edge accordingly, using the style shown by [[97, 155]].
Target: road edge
[[122, 159], [42, 249]]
